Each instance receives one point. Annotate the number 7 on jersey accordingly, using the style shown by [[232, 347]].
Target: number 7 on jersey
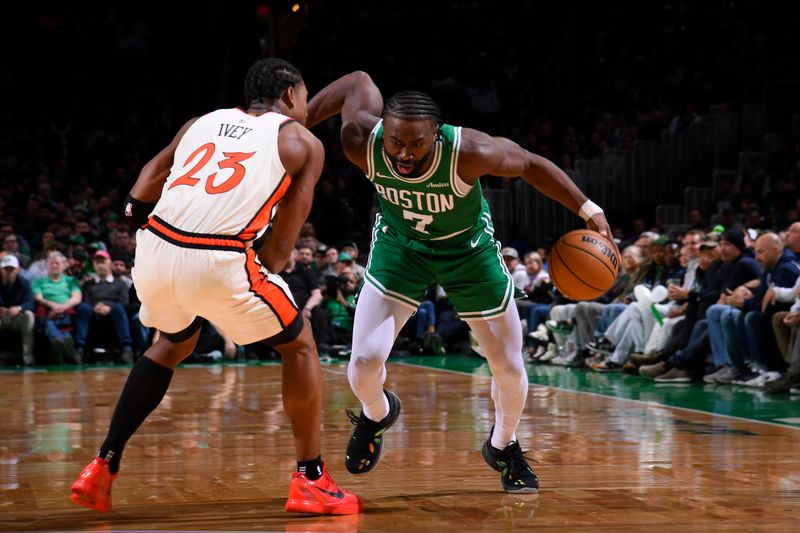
[[422, 220]]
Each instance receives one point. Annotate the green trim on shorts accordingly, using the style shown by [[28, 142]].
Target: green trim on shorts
[[492, 313], [391, 295]]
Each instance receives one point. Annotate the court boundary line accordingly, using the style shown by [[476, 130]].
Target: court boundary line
[[645, 402]]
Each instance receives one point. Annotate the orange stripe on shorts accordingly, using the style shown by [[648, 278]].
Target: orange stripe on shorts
[[270, 293]]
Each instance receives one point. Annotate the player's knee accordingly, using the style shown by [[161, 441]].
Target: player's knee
[[371, 347], [305, 350], [365, 364], [506, 368], [507, 364]]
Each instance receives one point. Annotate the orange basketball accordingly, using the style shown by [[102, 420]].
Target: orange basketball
[[583, 264]]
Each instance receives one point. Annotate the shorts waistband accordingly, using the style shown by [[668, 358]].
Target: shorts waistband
[[203, 241]]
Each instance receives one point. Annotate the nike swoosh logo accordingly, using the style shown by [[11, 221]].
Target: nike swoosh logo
[[476, 241], [384, 176], [339, 494]]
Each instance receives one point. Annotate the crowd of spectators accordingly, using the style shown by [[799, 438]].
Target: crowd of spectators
[[719, 305]]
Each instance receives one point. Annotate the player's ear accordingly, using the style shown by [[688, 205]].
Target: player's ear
[[290, 97]]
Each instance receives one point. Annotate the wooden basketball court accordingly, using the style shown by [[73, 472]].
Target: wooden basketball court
[[217, 455]]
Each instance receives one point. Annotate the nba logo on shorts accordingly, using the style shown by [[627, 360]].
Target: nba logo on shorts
[[129, 209]]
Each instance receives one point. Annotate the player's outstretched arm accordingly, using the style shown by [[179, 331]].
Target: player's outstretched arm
[[482, 154], [302, 156], [360, 103], [351, 95]]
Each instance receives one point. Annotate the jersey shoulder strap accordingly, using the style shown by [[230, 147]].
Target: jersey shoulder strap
[[374, 147]]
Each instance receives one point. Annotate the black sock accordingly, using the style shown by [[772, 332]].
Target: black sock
[[312, 469], [145, 388]]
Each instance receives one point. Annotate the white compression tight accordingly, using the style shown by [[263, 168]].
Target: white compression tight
[[500, 339], [377, 323], [378, 320]]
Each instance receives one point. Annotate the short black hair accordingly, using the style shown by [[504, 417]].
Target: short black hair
[[269, 78], [411, 105]]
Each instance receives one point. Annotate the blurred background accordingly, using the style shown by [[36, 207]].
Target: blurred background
[[655, 109]]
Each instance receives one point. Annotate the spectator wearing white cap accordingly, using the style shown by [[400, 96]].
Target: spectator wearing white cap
[[16, 304]]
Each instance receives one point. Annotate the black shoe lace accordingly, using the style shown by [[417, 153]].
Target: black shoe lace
[[354, 418], [519, 455], [360, 421], [517, 461]]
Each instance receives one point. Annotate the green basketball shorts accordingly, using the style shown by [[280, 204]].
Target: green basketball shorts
[[471, 272]]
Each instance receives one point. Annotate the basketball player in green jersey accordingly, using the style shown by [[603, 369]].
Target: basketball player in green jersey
[[435, 226]]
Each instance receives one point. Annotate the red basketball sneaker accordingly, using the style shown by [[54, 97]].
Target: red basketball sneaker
[[320, 496], [93, 488]]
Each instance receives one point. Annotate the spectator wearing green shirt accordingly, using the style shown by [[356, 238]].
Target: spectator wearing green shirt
[[333, 318], [57, 295]]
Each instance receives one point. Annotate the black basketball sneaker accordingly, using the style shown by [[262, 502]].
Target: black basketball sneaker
[[366, 444], [515, 473]]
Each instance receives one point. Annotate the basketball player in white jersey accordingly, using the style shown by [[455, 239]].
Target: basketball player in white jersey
[[200, 203]]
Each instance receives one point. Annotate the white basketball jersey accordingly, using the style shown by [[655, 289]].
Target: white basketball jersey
[[227, 176]]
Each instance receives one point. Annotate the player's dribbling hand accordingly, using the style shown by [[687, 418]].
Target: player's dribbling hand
[[599, 224]]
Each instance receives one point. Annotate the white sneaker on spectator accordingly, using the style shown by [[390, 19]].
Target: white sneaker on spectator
[[604, 347], [540, 334], [744, 377], [712, 377], [563, 359], [727, 375], [552, 353], [674, 375], [540, 351], [759, 380], [213, 355]]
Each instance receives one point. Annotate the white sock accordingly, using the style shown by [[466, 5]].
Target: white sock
[[378, 410]]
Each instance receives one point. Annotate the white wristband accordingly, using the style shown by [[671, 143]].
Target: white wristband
[[589, 209]]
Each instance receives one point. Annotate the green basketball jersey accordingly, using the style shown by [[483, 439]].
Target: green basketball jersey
[[437, 206]]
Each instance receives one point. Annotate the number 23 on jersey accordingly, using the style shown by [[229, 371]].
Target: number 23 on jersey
[[232, 161]]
